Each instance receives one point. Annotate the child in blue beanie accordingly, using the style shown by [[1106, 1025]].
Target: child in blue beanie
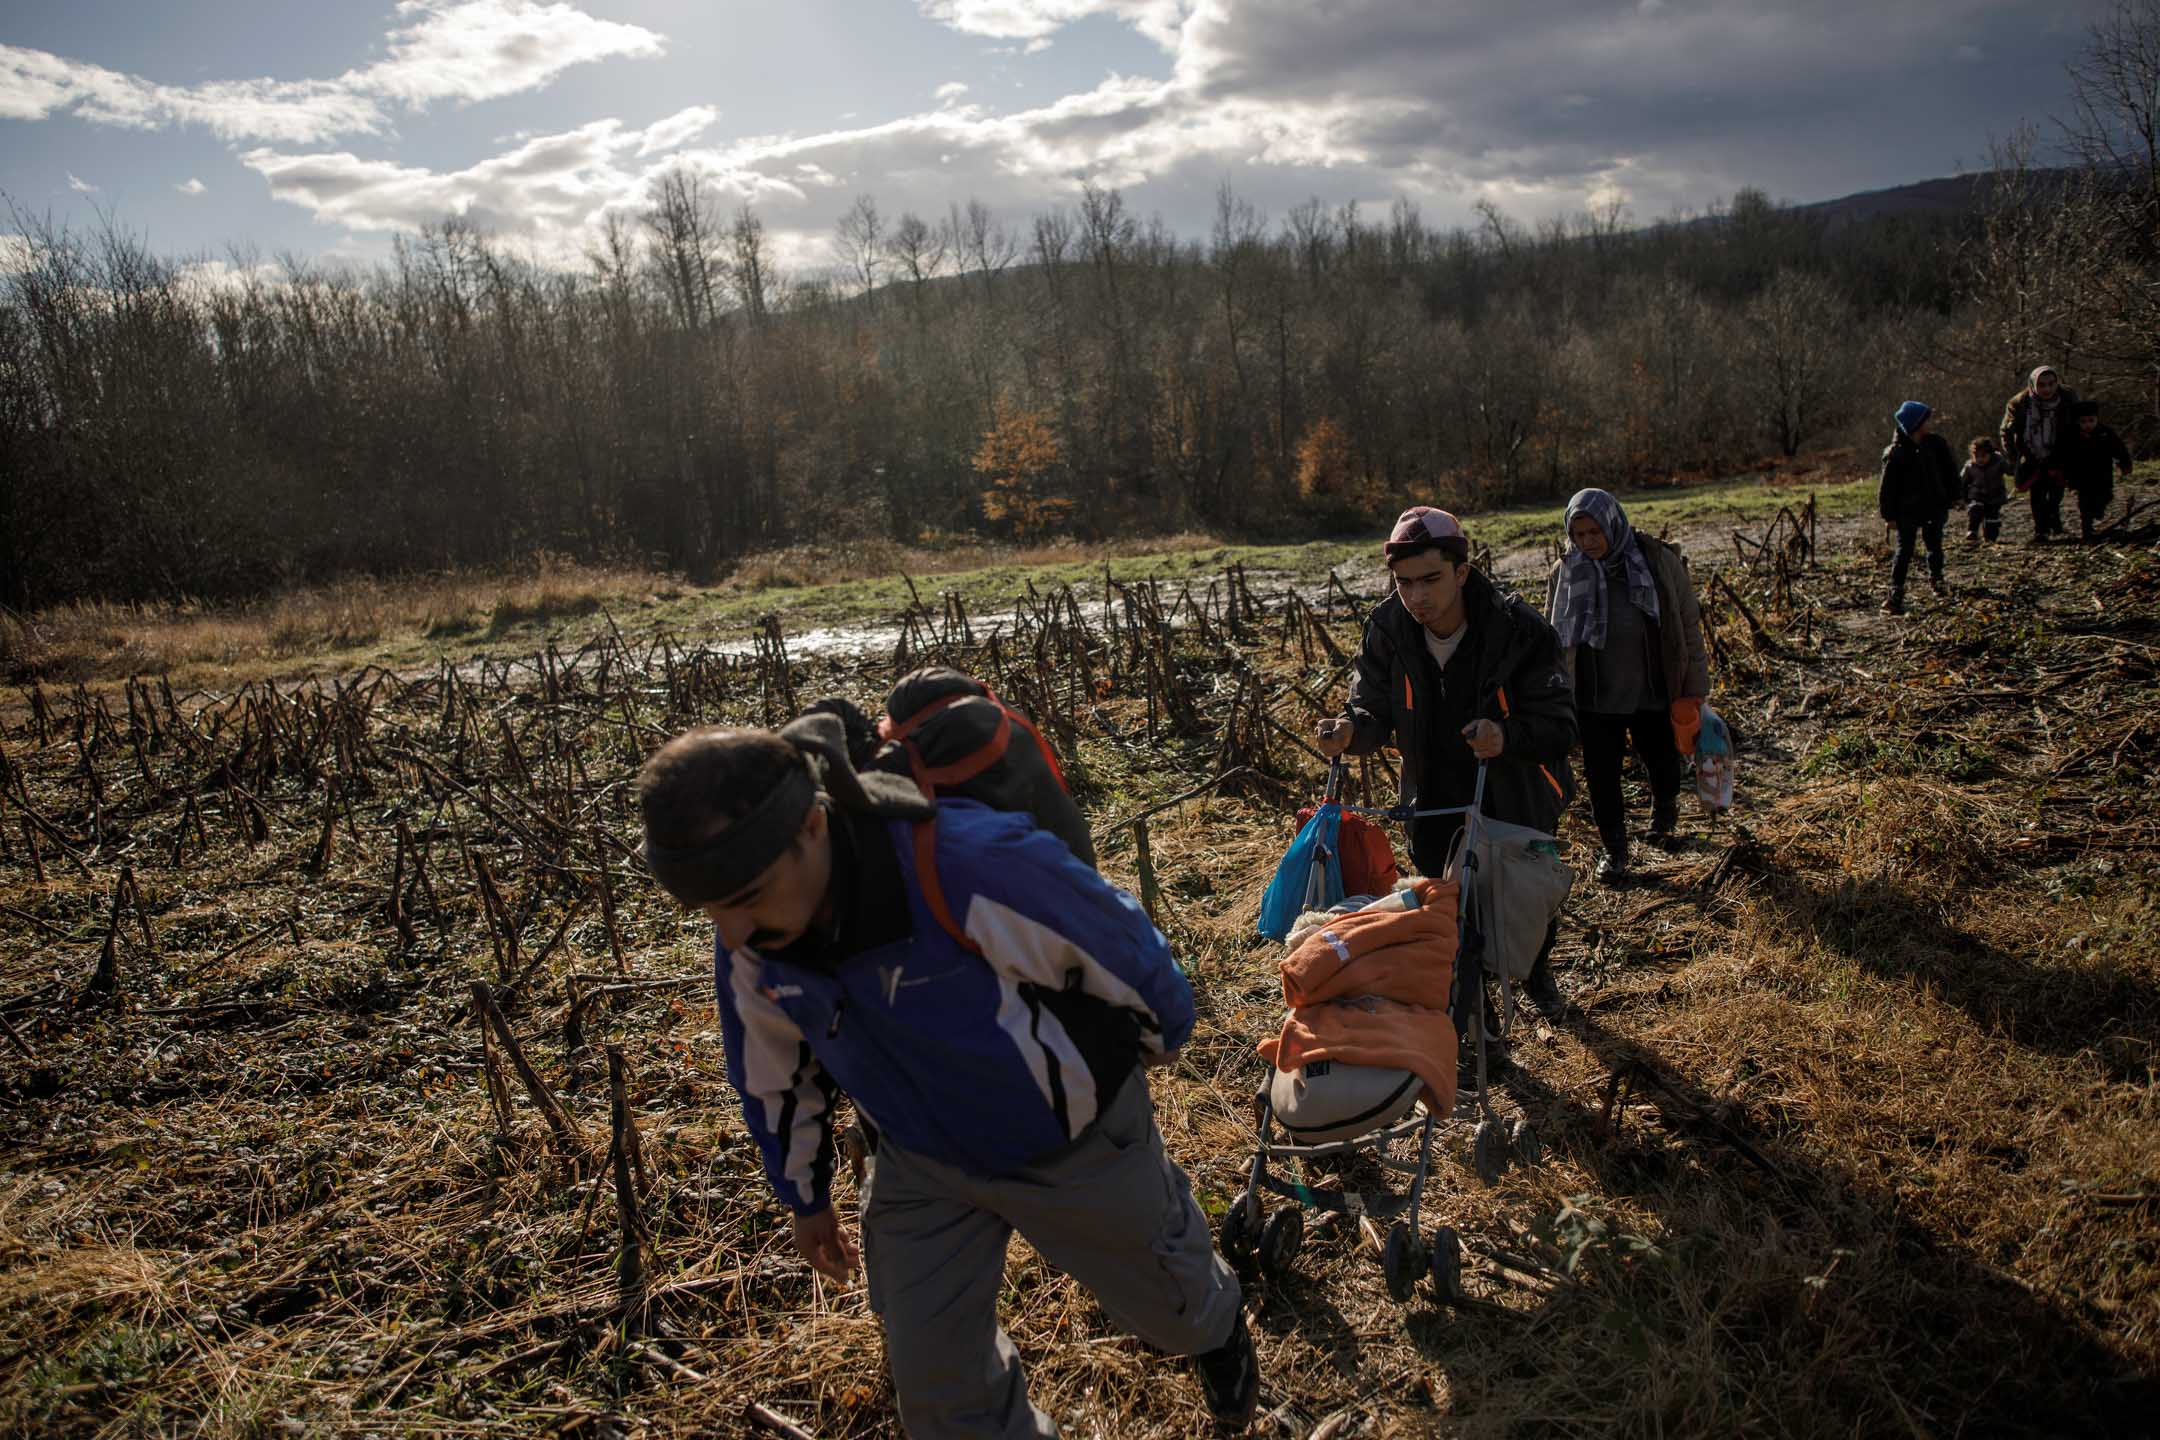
[[1919, 484]]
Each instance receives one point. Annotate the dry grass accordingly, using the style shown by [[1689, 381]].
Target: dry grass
[[103, 641], [1856, 1133], [861, 557]]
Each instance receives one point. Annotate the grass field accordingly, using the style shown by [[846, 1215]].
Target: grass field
[[417, 621], [1857, 1131]]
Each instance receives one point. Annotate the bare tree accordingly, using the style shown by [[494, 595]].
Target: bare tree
[[1790, 341], [920, 252], [2114, 133], [984, 243], [2114, 129], [686, 244], [860, 239], [750, 264]]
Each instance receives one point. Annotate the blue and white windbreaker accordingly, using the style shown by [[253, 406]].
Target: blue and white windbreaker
[[955, 1056]]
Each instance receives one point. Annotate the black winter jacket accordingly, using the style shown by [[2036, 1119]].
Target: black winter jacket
[[1919, 480], [2090, 461], [1521, 684]]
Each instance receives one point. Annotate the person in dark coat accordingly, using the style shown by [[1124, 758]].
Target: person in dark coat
[[1455, 672], [2094, 454], [1919, 482], [1630, 631], [2033, 441]]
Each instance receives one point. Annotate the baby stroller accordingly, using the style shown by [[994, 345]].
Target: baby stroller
[[1327, 1112]]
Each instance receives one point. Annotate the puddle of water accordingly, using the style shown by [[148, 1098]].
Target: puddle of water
[[827, 641]]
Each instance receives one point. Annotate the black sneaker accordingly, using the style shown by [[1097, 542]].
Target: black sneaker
[[1611, 870], [1230, 1378], [1895, 605]]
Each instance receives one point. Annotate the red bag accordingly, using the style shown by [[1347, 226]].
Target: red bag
[[1366, 856]]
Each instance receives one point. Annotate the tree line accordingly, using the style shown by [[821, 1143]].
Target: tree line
[[681, 398]]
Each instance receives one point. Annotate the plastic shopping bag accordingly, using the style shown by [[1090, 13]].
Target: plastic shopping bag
[[1714, 764], [1292, 891]]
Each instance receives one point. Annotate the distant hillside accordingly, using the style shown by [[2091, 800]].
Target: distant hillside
[[1948, 196]]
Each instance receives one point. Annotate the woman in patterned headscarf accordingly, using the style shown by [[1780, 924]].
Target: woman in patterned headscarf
[[1631, 637], [2034, 440]]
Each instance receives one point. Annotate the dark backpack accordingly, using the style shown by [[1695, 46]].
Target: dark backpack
[[948, 734], [956, 738]]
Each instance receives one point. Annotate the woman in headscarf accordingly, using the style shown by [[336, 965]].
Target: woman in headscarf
[[1631, 638], [2035, 434]]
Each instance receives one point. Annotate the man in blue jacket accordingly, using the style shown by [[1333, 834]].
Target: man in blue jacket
[[988, 1001]]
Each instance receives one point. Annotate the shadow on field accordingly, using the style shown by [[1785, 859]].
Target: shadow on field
[[1751, 1305], [1297, 1303], [2064, 1009]]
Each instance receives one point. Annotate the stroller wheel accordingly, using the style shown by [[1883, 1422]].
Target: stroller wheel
[[1238, 1230], [1280, 1240], [1529, 1150], [1447, 1265], [1401, 1260], [1488, 1152]]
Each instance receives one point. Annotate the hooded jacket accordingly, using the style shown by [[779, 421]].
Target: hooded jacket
[[1521, 685]]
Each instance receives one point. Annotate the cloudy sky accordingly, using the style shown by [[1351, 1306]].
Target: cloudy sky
[[326, 129]]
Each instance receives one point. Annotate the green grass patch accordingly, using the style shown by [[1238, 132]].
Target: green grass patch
[[1856, 753], [865, 600]]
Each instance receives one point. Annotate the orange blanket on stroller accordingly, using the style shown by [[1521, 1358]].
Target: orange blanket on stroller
[[1371, 988], [1366, 1030], [1406, 955]]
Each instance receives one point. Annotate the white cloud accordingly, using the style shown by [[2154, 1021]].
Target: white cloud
[[1573, 102], [79, 185], [678, 129], [463, 50], [549, 191], [15, 254], [951, 90], [482, 49], [191, 186], [1035, 21]]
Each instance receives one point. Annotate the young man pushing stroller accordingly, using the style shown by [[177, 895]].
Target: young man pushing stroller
[[1457, 674], [988, 1001]]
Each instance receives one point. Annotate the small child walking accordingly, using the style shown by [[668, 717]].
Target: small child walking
[[2092, 457], [1985, 479]]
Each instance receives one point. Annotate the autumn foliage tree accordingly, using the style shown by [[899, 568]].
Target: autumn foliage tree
[[1019, 458], [1327, 468]]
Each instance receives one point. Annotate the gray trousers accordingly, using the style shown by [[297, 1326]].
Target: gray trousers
[[1113, 1212]]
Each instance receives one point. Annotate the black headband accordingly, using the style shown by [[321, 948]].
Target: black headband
[[731, 860]]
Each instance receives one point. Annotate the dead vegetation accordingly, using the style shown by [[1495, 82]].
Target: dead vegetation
[[97, 641], [358, 1083]]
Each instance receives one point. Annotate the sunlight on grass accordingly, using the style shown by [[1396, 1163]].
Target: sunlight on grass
[[95, 641]]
